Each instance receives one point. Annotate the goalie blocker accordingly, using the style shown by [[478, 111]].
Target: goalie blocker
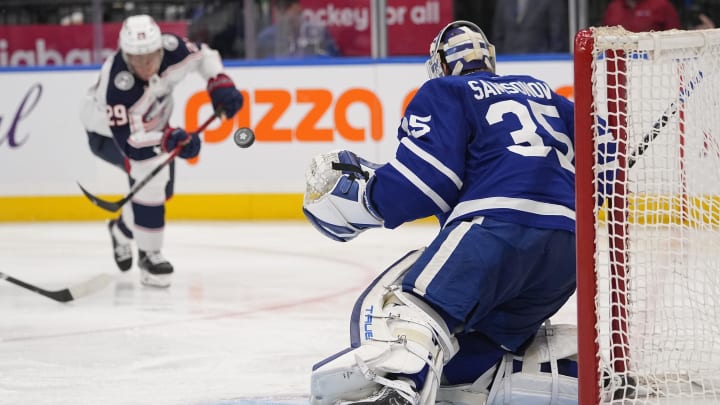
[[392, 333]]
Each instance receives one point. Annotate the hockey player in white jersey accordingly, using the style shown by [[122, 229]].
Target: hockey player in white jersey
[[492, 158], [126, 115]]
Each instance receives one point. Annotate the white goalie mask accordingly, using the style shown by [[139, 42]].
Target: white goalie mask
[[461, 46]]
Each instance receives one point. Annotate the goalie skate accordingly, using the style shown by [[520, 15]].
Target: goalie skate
[[384, 396]]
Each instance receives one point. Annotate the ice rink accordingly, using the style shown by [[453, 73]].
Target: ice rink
[[252, 307]]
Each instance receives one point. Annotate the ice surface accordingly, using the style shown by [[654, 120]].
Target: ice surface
[[252, 307]]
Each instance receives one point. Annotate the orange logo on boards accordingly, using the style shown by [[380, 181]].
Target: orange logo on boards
[[316, 103], [566, 91]]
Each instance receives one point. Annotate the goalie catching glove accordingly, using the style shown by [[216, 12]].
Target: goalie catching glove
[[336, 200]]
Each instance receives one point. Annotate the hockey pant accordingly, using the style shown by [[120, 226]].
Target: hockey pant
[[106, 149]]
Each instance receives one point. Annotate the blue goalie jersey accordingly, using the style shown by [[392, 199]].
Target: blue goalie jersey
[[482, 145]]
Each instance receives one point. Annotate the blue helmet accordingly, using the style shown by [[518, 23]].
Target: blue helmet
[[461, 46]]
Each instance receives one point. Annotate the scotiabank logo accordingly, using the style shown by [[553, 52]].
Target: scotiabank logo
[[41, 55], [314, 103]]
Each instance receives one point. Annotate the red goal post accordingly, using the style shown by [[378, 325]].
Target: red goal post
[[647, 139]]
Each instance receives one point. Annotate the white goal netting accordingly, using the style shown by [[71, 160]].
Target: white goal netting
[[655, 130]]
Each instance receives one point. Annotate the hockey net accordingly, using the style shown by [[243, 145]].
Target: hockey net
[[648, 216]]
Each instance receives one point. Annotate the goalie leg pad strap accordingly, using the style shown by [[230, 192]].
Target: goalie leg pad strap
[[468, 394], [530, 384], [544, 375]]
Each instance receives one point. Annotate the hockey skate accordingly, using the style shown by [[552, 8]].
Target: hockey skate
[[155, 270], [384, 396], [122, 250]]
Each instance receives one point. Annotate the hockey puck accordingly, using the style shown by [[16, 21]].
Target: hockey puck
[[244, 137]]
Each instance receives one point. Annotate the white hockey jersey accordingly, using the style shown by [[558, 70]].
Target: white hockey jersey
[[134, 111]]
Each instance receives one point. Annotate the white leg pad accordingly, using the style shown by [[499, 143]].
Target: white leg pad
[[467, 394], [501, 385], [531, 386], [392, 332]]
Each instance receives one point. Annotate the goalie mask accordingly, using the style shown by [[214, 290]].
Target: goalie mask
[[141, 45], [461, 46]]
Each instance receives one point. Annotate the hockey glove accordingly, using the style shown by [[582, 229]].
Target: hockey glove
[[336, 200], [174, 137], [226, 99]]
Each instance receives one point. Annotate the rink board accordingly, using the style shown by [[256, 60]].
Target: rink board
[[44, 151]]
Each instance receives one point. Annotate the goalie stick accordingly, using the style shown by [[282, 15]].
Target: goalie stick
[[114, 206], [71, 293]]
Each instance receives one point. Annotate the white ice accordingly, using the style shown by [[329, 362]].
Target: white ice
[[252, 307]]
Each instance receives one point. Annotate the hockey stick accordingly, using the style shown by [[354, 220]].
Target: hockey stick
[[662, 122], [114, 206], [87, 287], [654, 132]]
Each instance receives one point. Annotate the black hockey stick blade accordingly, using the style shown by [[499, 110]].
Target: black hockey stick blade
[[112, 206], [71, 293]]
